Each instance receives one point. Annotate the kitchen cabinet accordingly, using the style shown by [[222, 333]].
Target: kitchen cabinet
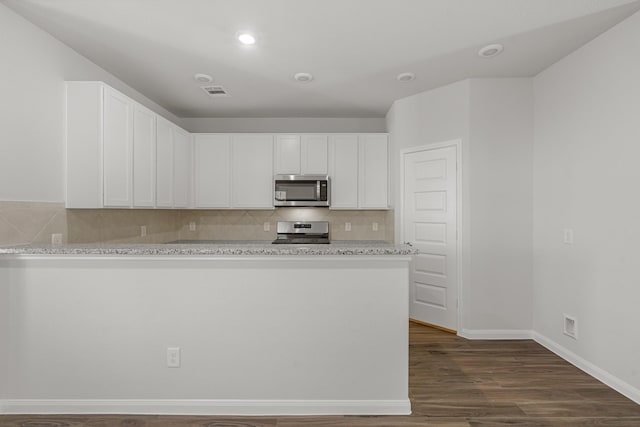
[[313, 155], [164, 163], [212, 161], [117, 148], [373, 172], [287, 155], [121, 154], [252, 171], [173, 163], [181, 168], [343, 171], [144, 157], [301, 154], [233, 171], [358, 168]]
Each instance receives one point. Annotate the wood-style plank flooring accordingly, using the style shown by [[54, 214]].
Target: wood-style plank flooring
[[453, 382]]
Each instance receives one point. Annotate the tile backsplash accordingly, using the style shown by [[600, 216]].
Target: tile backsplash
[[34, 222]]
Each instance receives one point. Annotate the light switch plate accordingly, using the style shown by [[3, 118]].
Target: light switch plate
[[347, 226], [568, 236], [173, 357]]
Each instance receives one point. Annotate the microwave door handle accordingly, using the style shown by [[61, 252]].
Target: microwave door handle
[[318, 190]]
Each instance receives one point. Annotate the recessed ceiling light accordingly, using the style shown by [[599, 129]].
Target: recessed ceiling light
[[490, 51], [202, 78], [303, 77], [246, 38], [406, 77]]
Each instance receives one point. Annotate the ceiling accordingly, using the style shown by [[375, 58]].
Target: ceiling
[[354, 48]]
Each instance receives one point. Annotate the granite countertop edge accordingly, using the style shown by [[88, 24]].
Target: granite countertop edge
[[214, 249]]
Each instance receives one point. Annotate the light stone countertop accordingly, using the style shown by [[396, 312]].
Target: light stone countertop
[[216, 248]]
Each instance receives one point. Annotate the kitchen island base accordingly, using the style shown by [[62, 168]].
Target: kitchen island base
[[272, 335]]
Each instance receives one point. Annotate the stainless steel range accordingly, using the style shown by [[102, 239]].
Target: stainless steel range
[[302, 232]]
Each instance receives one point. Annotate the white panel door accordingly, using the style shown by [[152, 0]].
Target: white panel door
[[164, 164], [430, 224], [373, 172], [252, 171], [144, 157], [313, 155], [343, 171], [287, 154], [181, 168], [212, 157], [117, 149]]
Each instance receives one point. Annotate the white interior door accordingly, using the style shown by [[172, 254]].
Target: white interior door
[[430, 224]]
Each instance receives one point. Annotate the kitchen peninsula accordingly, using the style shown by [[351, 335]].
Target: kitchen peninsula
[[254, 328]]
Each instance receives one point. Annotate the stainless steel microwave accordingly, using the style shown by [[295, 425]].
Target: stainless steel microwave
[[301, 190]]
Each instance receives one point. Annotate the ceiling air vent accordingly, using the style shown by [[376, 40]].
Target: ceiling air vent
[[215, 91]]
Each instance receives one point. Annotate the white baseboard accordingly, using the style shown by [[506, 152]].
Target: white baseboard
[[208, 407], [612, 381], [496, 334]]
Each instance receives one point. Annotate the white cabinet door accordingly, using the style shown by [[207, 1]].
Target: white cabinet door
[[181, 168], [343, 171], [313, 155], [287, 154], [373, 172], [117, 149], [144, 157], [212, 158], [164, 164], [252, 171]]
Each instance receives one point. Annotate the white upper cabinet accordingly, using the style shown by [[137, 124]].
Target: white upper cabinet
[[343, 171], [164, 163], [306, 155], [144, 157], [313, 155], [117, 149], [287, 154], [181, 168], [252, 171], [359, 171], [373, 176], [212, 161], [173, 166], [121, 154]]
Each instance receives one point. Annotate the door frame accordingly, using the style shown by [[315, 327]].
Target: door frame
[[434, 146]]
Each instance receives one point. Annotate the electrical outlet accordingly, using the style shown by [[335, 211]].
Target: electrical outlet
[[173, 357], [570, 327], [192, 226], [567, 236], [347, 226], [374, 226], [56, 239], [143, 230], [266, 226]]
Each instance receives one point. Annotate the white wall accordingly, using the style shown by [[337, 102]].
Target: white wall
[[586, 175], [257, 334], [499, 294], [493, 118], [284, 124], [34, 68], [438, 115]]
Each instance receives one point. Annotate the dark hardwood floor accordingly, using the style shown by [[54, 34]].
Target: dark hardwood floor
[[453, 382]]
